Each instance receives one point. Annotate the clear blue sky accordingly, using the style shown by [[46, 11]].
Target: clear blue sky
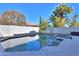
[[33, 11]]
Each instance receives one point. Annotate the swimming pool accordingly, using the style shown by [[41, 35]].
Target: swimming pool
[[44, 40]]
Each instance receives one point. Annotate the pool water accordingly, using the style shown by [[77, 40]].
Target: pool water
[[36, 44], [31, 46]]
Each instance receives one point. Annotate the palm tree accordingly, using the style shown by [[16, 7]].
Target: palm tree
[[74, 21], [59, 16], [43, 24]]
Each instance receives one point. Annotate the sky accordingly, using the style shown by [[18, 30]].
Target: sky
[[33, 11]]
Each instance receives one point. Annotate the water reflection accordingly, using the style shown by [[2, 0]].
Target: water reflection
[[51, 41], [43, 40]]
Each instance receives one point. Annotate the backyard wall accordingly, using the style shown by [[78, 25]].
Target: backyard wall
[[62, 30], [10, 30]]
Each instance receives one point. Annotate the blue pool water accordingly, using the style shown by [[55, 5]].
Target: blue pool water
[[35, 45], [31, 46]]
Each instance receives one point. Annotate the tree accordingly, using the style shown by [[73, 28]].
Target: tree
[[59, 16], [12, 17], [57, 21], [6, 22], [43, 24], [74, 22]]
